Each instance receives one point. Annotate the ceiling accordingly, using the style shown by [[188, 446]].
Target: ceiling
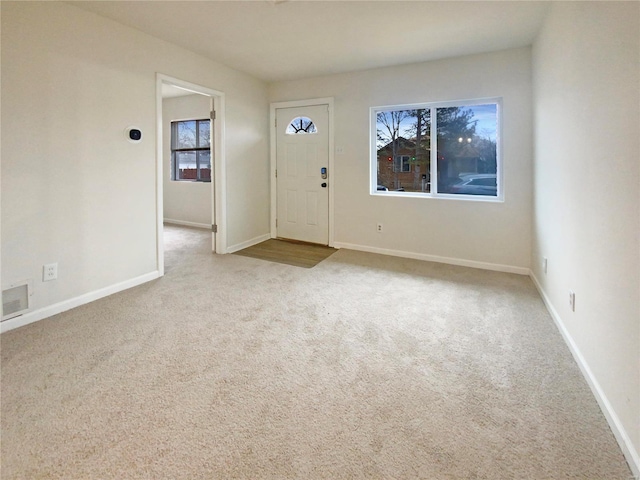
[[278, 40]]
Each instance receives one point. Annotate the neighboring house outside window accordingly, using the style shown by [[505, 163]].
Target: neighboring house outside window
[[449, 149], [191, 150]]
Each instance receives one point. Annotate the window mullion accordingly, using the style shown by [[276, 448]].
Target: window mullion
[[174, 166], [433, 173], [174, 173], [196, 151]]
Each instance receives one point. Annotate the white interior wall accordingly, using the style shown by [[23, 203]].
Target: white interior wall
[[587, 207], [74, 190], [184, 202], [482, 232]]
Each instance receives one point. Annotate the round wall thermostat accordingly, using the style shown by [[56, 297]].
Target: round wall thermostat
[[133, 134]]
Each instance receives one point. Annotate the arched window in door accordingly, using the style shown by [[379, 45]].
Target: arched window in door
[[301, 125]]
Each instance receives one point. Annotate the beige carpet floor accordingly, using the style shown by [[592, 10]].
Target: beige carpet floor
[[365, 366]]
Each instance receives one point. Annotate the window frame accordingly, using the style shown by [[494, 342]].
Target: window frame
[[196, 150], [433, 171]]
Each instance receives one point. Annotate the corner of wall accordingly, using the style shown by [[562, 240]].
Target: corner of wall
[[620, 433]]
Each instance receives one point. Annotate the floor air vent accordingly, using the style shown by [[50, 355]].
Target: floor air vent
[[15, 300]]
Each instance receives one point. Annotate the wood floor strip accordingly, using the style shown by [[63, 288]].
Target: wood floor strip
[[289, 252]]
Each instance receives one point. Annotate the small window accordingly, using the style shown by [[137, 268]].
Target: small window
[[448, 149], [301, 125], [402, 163], [191, 150]]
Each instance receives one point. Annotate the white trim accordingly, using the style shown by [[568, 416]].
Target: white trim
[[75, 302], [619, 432], [438, 196], [159, 180], [435, 258], [249, 243], [219, 195], [446, 103], [332, 171], [187, 224], [329, 101]]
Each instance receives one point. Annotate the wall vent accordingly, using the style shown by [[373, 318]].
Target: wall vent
[[15, 300]]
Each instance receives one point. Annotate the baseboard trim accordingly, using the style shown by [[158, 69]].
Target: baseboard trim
[[248, 243], [65, 305], [435, 258], [619, 432], [186, 224]]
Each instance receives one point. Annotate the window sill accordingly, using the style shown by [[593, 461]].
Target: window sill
[[191, 181], [440, 196]]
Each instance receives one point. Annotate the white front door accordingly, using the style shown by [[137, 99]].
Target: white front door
[[302, 182]]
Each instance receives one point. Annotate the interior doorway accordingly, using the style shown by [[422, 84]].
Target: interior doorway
[[190, 160]]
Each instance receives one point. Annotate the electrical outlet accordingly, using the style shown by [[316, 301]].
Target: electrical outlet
[[572, 300], [49, 272], [544, 264], [379, 228]]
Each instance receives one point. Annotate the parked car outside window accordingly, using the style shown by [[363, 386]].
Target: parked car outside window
[[476, 184]]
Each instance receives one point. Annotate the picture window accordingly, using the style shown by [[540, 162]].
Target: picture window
[[449, 149]]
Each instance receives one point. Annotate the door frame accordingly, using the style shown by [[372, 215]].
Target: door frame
[[273, 160], [218, 194]]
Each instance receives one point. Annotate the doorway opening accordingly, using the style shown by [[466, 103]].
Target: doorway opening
[[190, 161]]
